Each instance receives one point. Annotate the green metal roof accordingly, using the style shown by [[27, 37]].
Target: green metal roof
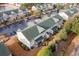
[[71, 11], [4, 51], [58, 16], [47, 23], [31, 32], [68, 13]]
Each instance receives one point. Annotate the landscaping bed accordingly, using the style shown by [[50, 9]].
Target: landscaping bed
[[17, 50], [62, 46], [73, 48]]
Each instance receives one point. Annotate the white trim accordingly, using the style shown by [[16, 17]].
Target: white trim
[[23, 39]]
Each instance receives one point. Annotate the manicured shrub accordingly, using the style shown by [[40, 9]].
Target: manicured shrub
[[63, 34]]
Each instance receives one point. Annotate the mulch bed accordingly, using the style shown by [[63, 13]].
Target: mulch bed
[[63, 45], [17, 50]]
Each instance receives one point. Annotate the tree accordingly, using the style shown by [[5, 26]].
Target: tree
[[67, 6], [67, 26], [25, 5], [58, 6], [75, 24], [37, 13]]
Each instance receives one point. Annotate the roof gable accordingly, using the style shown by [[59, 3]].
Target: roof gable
[[40, 29]]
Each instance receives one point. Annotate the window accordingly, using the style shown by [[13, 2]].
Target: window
[[49, 33], [39, 39], [55, 29]]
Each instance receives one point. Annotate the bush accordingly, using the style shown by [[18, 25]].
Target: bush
[[46, 51], [62, 35], [57, 38]]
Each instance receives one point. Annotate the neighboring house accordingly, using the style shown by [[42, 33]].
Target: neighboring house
[[74, 10], [5, 15], [20, 13], [13, 14], [16, 11], [25, 11], [1, 17], [71, 12], [68, 13], [10, 15], [4, 51], [1, 14], [34, 8]]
